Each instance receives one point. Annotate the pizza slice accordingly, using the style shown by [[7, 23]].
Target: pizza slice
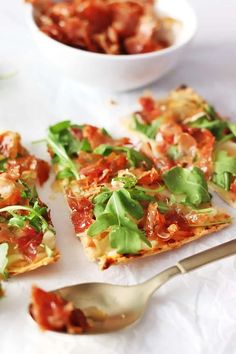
[[184, 130], [122, 206], [27, 237]]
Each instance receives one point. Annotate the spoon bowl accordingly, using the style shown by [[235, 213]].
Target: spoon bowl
[[109, 307]]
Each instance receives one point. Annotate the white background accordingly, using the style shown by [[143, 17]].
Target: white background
[[194, 313]]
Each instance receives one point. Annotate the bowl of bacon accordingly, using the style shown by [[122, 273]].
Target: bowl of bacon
[[114, 45]]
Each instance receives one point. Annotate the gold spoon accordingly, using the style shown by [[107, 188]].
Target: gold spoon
[[111, 307]]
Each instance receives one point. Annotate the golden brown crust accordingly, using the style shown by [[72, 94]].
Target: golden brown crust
[[41, 260], [105, 262]]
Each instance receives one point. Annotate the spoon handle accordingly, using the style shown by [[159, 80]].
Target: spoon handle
[[213, 254], [187, 264]]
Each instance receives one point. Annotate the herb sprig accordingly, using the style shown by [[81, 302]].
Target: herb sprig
[[117, 213]]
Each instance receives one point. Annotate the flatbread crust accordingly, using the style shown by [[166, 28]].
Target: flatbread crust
[[41, 260], [105, 261]]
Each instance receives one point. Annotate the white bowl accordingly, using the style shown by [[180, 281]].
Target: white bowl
[[120, 72]]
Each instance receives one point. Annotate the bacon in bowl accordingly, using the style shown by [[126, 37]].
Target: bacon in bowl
[[110, 27]]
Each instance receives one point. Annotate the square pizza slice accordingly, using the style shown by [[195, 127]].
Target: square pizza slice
[[122, 206], [184, 130], [27, 236]]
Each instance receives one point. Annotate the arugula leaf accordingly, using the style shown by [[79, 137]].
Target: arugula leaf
[[63, 158], [210, 110], [116, 216], [173, 152], [189, 183], [17, 221], [65, 146], [3, 258], [232, 128], [150, 130], [34, 217], [103, 222], [3, 165], [224, 169], [121, 203], [216, 126], [124, 240], [128, 180], [59, 127], [29, 192], [63, 174], [135, 157], [140, 195]]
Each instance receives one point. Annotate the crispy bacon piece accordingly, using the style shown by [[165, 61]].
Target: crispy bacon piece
[[97, 136], [165, 227], [149, 177], [10, 145], [29, 164], [81, 212], [150, 109], [104, 26], [205, 145], [10, 190], [29, 242], [52, 312], [104, 168]]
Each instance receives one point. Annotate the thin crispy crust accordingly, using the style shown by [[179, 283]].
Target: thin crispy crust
[[41, 260], [105, 261]]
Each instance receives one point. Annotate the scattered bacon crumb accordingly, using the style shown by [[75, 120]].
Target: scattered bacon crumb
[[52, 312], [166, 227], [104, 26]]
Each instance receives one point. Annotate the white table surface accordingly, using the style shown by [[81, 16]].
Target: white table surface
[[195, 313]]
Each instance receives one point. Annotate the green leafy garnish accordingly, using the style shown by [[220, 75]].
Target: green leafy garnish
[[224, 169], [3, 165], [150, 130], [190, 184], [232, 128], [117, 217], [64, 145], [29, 192], [127, 180], [134, 157], [216, 126], [35, 217], [173, 152], [3, 258]]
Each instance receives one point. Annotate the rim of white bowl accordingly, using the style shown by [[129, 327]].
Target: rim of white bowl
[[118, 57]]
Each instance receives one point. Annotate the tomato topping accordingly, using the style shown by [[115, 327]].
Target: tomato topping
[[233, 187], [166, 227], [82, 211], [29, 242], [52, 312]]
